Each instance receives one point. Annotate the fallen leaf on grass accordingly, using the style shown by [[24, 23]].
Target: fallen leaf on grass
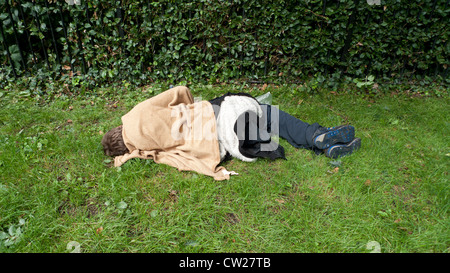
[[335, 170], [99, 230], [173, 194], [122, 205], [154, 213]]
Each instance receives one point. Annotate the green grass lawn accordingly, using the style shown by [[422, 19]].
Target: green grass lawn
[[58, 190]]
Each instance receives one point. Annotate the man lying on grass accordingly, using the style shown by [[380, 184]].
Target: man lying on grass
[[172, 129]]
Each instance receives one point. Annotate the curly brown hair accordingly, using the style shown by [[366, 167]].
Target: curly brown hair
[[113, 144]]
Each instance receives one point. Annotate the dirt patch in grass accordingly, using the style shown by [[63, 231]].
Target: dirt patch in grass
[[91, 207]]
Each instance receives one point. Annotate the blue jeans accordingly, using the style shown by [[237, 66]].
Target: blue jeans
[[295, 131]]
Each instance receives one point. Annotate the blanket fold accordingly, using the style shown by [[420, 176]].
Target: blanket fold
[[171, 129]]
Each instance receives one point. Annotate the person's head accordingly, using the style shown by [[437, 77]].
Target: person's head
[[113, 144]]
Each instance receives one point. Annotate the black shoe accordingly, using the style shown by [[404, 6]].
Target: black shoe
[[326, 137], [340, 150]]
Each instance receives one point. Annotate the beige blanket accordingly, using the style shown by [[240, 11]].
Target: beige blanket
[[171, 129]]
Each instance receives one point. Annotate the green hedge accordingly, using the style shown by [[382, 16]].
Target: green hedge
[[142, 41]]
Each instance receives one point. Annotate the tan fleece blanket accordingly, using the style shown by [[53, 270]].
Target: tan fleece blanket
[[171, 129]]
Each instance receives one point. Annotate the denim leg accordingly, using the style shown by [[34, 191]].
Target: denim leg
[[297, 132]]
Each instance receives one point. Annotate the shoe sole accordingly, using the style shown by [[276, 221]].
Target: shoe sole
[[341, 150], [340, 134]]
